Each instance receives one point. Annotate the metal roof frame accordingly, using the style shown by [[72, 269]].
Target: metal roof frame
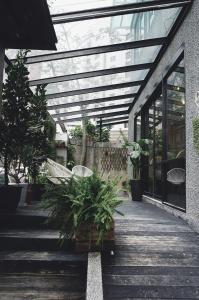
[[106, 115], [117, 10], [102, 13], [95, 50], [112, 119], [91, 101], [113, 123], [90, 74], [86, 111], [95, 89]]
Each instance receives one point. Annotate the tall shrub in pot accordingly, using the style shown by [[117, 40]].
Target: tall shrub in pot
[[14, 126], [23, 134]]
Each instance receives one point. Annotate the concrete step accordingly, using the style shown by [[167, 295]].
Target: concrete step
[[29, 239]]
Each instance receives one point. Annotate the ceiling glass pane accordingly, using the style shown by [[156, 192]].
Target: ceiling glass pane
[[96, 81], [93, 62], [112, 30], [91, 96], [77, 109], [95, 114], [63, 6]]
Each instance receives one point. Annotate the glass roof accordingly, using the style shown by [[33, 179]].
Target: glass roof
[[105, 43], [96, 81], [93, 62], [61, 6], [93, 96]]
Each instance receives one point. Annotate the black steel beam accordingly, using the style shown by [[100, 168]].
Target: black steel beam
[[87, 111], [94, 50], [92, 101], [106, 115], [91, 74], [114, 123], [163, 49], [112, 119], [117, 10], [95, 89]]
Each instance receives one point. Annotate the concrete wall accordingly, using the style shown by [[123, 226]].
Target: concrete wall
[[188, 37]]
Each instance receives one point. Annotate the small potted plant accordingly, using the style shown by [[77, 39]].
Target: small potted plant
[[136, 151], [82, 209]]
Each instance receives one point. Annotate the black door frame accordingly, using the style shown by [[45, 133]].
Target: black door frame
[[161, 89]]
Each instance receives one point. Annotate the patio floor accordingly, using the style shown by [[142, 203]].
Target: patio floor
[[156, 256]]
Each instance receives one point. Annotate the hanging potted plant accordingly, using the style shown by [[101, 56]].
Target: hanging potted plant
[[82, 209]]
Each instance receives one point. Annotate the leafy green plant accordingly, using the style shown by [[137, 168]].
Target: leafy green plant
[[76, 132], [70, 157], [136, 151], [93, 132], [81, 201], [27, 131], [196, 133]]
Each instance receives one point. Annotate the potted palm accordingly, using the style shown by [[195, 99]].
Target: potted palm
[[136, 151], [82, 209]]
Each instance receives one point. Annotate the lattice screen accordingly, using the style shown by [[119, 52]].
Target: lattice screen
[[113, 159]]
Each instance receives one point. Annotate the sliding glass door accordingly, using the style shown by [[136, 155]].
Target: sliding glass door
[[163, 122], [153, 164], [175, 164]]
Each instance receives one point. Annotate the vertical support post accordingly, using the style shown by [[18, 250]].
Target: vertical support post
[[164, 137], [100, 129], [2, 55]]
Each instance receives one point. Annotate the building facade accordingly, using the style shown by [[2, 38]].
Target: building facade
[[164, 113]]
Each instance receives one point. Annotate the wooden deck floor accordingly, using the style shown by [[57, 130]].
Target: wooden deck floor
[[156, 257]]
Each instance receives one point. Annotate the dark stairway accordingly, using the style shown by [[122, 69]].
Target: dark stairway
[[32, 265]]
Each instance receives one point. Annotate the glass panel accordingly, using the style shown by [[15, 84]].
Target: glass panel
[[93, 62], [91, 96], [138, 128], [61, 6], [150, 136], [97, 113], [90, 106], [176, 141], [96, 81], [112, 30], [153, 131], [158, 147]]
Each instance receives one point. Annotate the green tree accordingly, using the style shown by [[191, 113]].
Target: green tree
[[25, 134]]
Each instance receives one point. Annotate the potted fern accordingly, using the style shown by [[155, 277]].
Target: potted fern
[[82, 209]]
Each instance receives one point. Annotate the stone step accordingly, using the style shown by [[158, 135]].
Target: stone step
[[28, 239], [150, 292], [42, 262], [39, 286], [41, 295], [24, 218]]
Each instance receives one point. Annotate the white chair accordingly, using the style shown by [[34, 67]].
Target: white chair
[[82, 171], [176, 176], [56, 172]]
